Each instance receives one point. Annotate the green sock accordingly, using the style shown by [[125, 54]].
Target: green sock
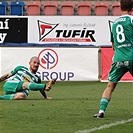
[[104, 103], [7, 97], [35, 86]]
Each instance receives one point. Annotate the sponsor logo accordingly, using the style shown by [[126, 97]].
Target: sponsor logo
[[48, 58], [63, 76], [3, 26], [46, 30], [13, 30]]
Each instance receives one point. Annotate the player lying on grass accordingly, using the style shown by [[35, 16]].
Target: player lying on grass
[[122, 43], [22, 79]]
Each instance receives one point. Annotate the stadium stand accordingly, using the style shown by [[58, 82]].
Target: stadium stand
[[101, 8], [61, 7], [3, 7], [50, 8], [84, 8], [17, 8], [34, 7], [116, 11], [67, 8]]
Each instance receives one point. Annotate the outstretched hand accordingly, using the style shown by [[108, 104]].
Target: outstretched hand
[[49, 98]]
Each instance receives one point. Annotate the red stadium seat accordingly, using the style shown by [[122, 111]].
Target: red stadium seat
[[33, 7], [84, 8], [50, 8], [116, 11], [67, 8], [101, 8]]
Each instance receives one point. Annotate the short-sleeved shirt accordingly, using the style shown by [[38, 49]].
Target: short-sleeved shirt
[[22, 73], [122, 36]]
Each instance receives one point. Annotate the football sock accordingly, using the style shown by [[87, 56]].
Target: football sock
[[103, 104], [35, 86], [7, 97]]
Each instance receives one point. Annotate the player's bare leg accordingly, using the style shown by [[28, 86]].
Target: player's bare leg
[[109, 89], [106, 96]]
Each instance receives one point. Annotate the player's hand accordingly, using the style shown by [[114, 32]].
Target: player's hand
[[49, 98]]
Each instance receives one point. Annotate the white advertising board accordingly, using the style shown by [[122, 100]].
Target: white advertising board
[[65, 64], [81, 30]]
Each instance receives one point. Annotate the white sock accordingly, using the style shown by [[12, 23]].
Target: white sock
[[101, 111]]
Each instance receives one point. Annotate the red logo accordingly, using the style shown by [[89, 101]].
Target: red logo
[[45, 29], [48, 58]]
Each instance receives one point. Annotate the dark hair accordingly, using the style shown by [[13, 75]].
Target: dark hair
[[126, 5]]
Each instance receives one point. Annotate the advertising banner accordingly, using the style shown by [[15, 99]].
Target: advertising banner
[[65, 64], [13, 29], [82, 30], [106, 58], [68, 30]]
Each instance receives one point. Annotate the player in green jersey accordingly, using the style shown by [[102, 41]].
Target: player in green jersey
[[122, 43], [22, 79]]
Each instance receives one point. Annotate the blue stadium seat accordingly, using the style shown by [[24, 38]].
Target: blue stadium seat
[[17, 8], [3, 7]]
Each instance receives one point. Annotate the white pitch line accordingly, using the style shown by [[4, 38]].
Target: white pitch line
[[105, 126]]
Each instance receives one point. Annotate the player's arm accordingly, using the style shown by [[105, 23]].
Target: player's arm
[[112, 40], [113, 45], [5, 76], [8, 75], [43, 93]]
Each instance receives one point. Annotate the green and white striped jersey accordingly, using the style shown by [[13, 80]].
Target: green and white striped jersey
[[22, 73], [122, 36]]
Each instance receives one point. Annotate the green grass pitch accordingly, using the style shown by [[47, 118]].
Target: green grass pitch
[[70, 110]]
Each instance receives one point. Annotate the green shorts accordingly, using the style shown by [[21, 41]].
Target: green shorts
[[118, 69], [12, 87]]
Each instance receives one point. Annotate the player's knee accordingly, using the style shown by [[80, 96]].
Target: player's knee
[[19, 96], [24, 85], [111, 86]]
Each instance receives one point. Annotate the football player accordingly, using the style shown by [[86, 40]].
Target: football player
[[22, 79], [122, 43]]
